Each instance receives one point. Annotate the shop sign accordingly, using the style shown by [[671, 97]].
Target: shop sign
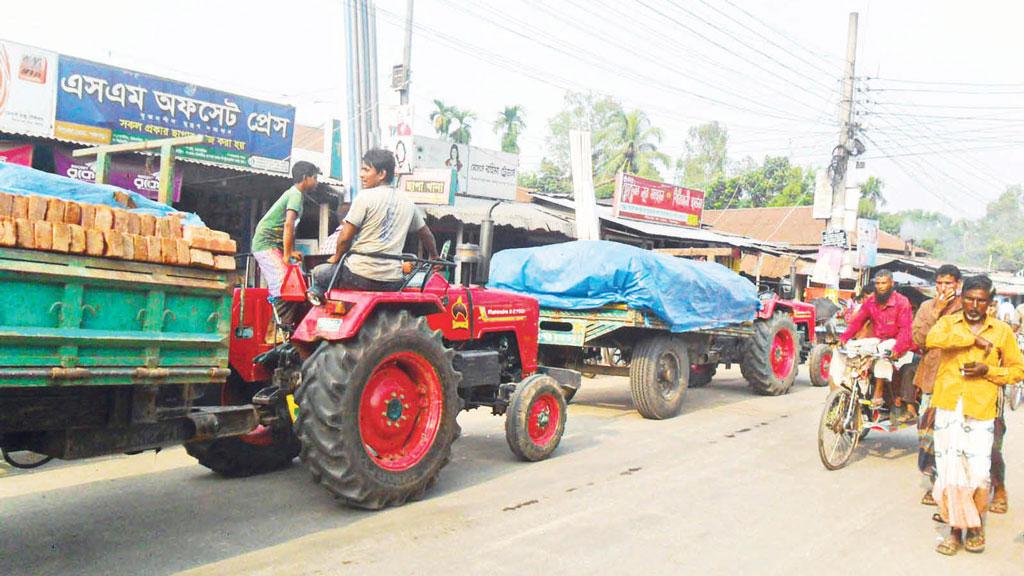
[[16, 155], [649, 201], [429, 186], [98, 104], [27, 80]]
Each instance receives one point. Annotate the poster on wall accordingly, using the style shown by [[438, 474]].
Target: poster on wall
[[828, 265], [27, 77], [429, 186], [99, 104], [867, 242], [127, 173], [638, 198]]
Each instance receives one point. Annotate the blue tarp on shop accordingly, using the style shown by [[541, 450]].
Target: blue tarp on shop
[[687, 295], [24, 181]]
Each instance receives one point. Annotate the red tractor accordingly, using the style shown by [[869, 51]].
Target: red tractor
[[367, 386]]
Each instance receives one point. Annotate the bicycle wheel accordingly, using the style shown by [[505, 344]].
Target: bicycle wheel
[[839, 430]]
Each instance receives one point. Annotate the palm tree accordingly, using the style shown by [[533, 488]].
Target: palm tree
[[442, 118], [511, 121], [461, 135], [871, 190], [629, 143]]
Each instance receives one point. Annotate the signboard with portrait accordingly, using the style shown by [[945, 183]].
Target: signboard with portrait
[[638, 198], [99, 104]]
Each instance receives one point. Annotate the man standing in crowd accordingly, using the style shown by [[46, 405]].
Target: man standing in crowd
[[378, 222], [978, 355], [273, 243], [947, 301], [891, 316]]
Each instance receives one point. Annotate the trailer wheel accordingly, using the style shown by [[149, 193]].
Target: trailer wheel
[[770, 356], [237, 458], [701, 374], [819, 363], [377, 413], [536, 417], [659, 375]]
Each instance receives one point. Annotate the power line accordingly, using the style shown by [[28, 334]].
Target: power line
[[945, 83], [779, 33]]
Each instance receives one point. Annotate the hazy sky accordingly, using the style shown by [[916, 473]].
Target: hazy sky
[[942, 120]]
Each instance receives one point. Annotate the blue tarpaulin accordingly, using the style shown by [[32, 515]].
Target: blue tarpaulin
[[24, 181], [685, 294]]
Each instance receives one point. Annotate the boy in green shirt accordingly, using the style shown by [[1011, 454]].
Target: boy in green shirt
[[274, 239]]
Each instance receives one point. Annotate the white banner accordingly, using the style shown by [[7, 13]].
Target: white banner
[[481, 172], [492, 174], [27, 89]]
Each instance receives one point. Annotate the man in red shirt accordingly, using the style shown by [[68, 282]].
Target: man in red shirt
[[891, 316]]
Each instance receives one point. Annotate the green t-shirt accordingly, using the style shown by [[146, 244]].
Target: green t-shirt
[[270, 231]]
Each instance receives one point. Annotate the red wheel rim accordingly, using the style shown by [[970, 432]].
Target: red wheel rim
[[783, 353], [400, 411], [826, 364], [542, 419]]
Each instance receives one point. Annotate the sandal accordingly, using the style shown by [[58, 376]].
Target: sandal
[[998, 506], [949, 547], [975, 540], [928, 499], [938, 518]]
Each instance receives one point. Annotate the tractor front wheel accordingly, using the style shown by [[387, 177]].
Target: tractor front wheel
[[536, 417], [377, 413]]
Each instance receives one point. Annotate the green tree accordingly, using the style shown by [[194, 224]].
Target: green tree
[[462, 133], [549, 179], [582, 111], [629, 143], [871, 198], [705, 157], [510, 123], [442, 117]]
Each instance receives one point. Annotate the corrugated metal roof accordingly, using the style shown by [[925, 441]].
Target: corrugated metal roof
[[469, 210], [665, 230]]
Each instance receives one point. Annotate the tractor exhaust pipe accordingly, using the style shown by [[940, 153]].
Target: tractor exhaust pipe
[[486, 245]]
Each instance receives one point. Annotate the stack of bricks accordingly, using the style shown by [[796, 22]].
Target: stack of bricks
[[57, 225]]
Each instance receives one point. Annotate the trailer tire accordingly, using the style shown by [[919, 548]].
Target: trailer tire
[[235, 458], [819, 364], [770, 356], [357, 396], [659, 375], [702, 374]]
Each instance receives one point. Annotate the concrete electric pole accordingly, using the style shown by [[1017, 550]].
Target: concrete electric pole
[[841, 155], [403, 91]]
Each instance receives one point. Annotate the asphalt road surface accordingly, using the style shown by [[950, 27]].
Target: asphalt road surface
[[731, 486]]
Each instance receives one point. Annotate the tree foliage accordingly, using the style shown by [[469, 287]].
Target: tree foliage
[[510, 124], [706, 156], [451, 122], [629, 143]]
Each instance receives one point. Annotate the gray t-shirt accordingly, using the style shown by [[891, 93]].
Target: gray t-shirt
[[384, 218]]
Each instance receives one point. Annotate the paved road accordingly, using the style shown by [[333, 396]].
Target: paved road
[[732, 486]]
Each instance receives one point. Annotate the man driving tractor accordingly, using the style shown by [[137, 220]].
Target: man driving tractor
[[378, 222], [891, 316]]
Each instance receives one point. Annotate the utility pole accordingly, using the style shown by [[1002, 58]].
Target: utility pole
[[841, 155], [403, 91]]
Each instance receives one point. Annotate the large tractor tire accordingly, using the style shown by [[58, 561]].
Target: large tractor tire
[[377, 413], [702, 374], [819, 363], [260, 451], [659, 375], [770, 360], [535, 419]]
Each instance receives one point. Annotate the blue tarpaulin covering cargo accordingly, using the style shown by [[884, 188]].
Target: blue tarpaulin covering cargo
[[685, 294], [26, 181]]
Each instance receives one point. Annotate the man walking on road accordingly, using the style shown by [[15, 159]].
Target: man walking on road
[[978, 355]]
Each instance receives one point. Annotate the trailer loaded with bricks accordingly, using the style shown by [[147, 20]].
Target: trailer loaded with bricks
[[114, 311]]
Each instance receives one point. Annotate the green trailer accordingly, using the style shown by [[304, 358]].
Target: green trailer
[[101, 356]]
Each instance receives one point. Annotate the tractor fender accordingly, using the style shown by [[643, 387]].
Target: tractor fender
[[346, 312]]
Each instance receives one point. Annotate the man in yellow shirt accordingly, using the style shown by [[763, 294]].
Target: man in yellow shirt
[[979, 354]]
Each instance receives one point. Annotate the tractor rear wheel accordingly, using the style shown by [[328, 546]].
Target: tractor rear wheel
[[659, 375], [701, 374], [377, 413], [536, 417], [819, 364], [770, 357]]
